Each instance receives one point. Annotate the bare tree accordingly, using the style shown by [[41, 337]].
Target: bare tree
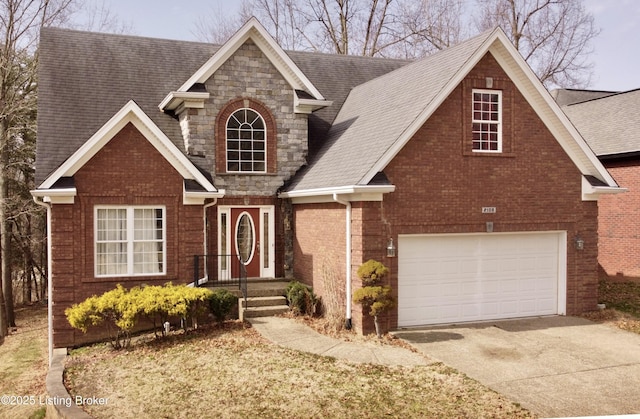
[[20, 23], [219, 25], [553, 36], [393, 28], [95, 16]]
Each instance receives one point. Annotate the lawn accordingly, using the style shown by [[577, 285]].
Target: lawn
[[233, 372], [23, 365]]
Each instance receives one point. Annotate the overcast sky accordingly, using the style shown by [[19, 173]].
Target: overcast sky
[[616, 51]]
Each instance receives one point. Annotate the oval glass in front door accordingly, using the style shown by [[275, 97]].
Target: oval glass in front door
[[245, 238]]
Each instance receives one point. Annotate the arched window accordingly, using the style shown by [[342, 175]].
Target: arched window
[[246, 142]]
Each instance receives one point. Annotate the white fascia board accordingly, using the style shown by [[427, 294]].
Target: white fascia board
[[190, 99], [56, 196], [352, 193], [592, 193], [198, 198], [129, 113], [253, 29], [309, 105], [563, 130], [422, 118]]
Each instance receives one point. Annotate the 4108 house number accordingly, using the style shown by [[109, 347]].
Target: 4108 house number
[[488, 210]]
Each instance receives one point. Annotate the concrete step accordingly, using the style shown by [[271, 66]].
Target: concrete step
[[276, 300], [251, 312]]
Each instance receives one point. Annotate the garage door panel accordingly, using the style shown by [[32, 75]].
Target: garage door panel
[[476, 277]]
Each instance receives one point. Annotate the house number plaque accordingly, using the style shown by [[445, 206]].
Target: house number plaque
[[488, 210]]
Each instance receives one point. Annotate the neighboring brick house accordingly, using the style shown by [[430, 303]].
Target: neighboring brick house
[[152, 151], [609, 122]]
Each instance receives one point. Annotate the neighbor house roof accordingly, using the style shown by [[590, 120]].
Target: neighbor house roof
[[570, 96], [611, 124]]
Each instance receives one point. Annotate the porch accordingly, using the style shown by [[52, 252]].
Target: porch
[[257, 297]]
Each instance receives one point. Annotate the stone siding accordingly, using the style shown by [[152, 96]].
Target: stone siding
[[248, 75]]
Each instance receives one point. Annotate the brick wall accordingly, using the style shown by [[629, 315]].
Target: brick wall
[[127, 171], [441, 187], [619, 223]]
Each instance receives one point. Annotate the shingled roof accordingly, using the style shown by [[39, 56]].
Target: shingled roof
[[610, 125], [86, 78]]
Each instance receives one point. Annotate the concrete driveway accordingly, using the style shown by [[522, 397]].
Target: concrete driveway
[[553, 366]]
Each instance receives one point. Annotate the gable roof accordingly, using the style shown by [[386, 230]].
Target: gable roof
[[131, 113], [253, 30], [381, 116], [85, 78], [611, 125]]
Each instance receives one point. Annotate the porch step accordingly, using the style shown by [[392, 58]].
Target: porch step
[[266, 301], [263, 311]]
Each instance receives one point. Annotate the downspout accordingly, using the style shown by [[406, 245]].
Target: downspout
[[347, 204], [49, 276], [204, 230]]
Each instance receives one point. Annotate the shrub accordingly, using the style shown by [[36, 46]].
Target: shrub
[[377, 298], [117, 308], [221, 301], [371, 272], [120, 309], [301, 298]]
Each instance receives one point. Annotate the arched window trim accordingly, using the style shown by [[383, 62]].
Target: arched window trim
[[221, 135], [246, 155]]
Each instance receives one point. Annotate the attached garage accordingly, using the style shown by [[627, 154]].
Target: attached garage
[[455, 278]]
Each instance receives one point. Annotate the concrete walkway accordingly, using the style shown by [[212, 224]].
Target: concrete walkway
[[292, 334], [553, 366]]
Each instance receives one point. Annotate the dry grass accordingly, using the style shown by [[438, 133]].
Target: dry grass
[[622, 300], [234, 372], [23, 363]]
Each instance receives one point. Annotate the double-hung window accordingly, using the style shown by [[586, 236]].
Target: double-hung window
[[487, 121], [130, 241]]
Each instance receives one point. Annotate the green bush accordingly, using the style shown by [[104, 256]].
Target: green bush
[[371, 272], [120, 309], [301, 298], [377, 298], [221, 301]]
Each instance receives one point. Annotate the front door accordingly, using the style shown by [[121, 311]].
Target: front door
[[247, 235]]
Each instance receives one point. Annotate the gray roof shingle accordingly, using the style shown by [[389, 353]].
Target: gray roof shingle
[[85, 78], [610, 125], [376, 114]]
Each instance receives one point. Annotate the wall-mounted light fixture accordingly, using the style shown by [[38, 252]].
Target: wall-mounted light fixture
[[391, 249], [579, 243]]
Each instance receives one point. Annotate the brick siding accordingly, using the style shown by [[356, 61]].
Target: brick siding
[[619, 224], [441, 187], [127, 171]]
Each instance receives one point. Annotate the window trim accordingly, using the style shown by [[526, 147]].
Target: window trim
[[265, 150], [130, 218], [498, 123]]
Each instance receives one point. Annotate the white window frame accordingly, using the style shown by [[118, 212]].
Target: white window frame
[[130, 239], [497, 123], [240, 160]]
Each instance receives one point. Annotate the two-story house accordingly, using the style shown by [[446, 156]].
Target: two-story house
[[458, 171]]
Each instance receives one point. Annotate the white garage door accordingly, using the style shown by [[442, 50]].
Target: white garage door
[[470, 277]]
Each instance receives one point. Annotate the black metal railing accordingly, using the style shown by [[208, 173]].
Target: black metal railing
[[220, 271]]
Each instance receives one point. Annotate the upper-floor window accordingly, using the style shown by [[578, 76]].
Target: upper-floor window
[[246, 142], [487, 121], [130, 241]]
